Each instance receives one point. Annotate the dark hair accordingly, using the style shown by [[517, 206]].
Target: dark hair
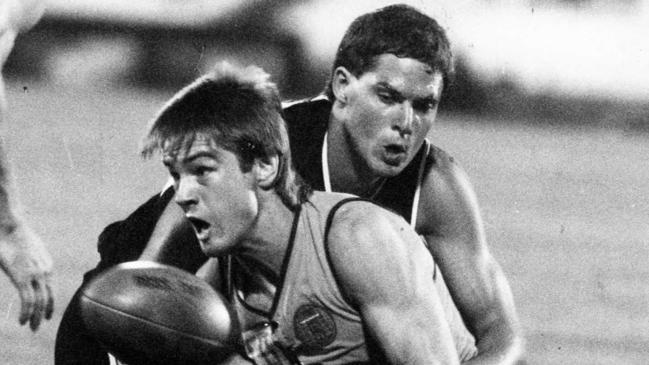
[[240, 110], [397, 29]]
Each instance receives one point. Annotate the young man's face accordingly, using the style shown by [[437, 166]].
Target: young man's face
[[216, 196], [389, 110]]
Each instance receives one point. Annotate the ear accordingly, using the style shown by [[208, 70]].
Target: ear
[[339, 83], [266, 171]]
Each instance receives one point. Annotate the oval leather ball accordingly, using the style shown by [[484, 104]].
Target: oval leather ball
[[144, 312]]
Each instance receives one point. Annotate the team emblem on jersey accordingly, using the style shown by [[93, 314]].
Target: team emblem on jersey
[[314, 327]]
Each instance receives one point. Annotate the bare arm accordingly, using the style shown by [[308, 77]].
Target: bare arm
[[385, 270], [451, 222], [23, 256], [173, 241]]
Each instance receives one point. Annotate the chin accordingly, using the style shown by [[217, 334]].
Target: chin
[[210, 250], [388, 166], [386, 170]]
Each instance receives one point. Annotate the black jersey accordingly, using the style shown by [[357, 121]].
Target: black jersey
[[307, 125]]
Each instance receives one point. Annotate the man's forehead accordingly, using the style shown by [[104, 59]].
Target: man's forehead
[[407, 75], [431, 82], [413, 89], [182, 148]]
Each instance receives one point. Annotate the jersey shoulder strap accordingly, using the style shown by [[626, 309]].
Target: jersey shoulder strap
[[328, 223]]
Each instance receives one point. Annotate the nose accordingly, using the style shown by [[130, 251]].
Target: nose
[[404, 121], [185, 195]]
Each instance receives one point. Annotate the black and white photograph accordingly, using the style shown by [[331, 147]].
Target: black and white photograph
[[282, 182]]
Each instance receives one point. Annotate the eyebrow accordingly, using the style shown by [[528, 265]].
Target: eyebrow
[[392, 91], [399, 96], [190, 158]]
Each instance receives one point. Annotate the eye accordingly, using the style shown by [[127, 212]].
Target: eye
[[202, 171], [387, 98], [424, 106]]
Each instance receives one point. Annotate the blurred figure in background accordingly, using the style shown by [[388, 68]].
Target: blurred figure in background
[[23, 255]]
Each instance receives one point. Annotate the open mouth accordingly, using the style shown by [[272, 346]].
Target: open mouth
[[395, 149], [394, 154], [200, 226]]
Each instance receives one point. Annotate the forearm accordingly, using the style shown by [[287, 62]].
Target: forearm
[[416, 349], [483, 297], [498, 333], [498, 345], [412, 335], [18, 247], [173, 241], [8, 216]]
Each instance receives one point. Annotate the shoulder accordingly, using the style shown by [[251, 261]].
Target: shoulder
[[301, 103], [438, 160], [443, 175], [446, 192], [307, 121], [357, 212], [361, 227], [309, 107], [374, 252]]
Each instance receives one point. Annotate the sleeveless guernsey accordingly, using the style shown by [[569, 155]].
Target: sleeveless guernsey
[[312, 318], [307, 126]]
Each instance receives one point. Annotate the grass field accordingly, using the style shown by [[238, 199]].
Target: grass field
[[566, 211]]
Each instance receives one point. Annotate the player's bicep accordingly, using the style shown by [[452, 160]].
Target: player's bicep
[[369, 260], [388, 280], [449, 208], [452, 226]]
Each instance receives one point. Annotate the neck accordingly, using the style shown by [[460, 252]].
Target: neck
[[347, 172], [268, 243]]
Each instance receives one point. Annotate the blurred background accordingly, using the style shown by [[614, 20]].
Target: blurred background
[[548, 113]]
